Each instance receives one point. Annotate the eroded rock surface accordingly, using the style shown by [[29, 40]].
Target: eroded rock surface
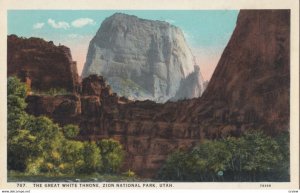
[[142, 59], [42, 64]]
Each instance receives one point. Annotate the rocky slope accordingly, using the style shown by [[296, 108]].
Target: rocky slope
[[141, 59], [42, 64], [248, 90]]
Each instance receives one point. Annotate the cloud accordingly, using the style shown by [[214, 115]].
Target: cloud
[[38, 25], [58, 25], [81, 22]]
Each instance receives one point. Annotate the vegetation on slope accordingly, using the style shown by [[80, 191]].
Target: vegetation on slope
[[38, 146]]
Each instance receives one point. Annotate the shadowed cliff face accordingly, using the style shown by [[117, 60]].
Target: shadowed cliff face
[[249, 89], [41, 63]]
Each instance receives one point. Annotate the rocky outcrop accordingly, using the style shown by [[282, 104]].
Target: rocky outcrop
[[141, 59], [190, 87], [249, 90], [41, 64]]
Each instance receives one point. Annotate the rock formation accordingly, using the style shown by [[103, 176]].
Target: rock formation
[[41, 63], [248, 90], [186, 91], [250, 87], [141, 59]]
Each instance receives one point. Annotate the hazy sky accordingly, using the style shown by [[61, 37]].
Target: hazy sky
[[206, 31]]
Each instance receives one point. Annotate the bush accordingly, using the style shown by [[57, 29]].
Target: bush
[[92, 158], [70, 131], [112, 155], [178, 166], [252, 157]]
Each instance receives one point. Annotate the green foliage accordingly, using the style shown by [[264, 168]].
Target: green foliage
[[261, 152], [47, 152], [16, 87], [211, 157], [92, 158], [34, 166], [16, 115], [112, 155], [252, 157], [177, 167], [18, 140], [70, 131], [48, 134], [33, 142], [73, 159], [126, 86], [129, 174], [37, 145], [51, 92], [20, 146], [56, 91], [283, 168]]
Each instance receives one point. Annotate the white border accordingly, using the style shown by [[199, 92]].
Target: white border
[[163, 5]]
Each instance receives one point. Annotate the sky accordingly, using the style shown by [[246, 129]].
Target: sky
[[206, 31]]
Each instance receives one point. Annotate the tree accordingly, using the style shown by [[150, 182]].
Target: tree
[[38, 145], [178, 167], [47, 146], [16, 115], [18, 140], [73, 156], [70, 131], [262, 153], [252, 157], [212, 157], [112, 155], [49, 134], [20, 148], [92, 158], [282, 168]]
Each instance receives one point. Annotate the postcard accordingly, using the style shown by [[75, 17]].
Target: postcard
[[149, 95]]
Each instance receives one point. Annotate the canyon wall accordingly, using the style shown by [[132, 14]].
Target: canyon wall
[[248, 90], [41, 64]]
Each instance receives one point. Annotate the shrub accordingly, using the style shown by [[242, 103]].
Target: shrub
[[70, 131], [92, 158], [252, 157], [112, 155]]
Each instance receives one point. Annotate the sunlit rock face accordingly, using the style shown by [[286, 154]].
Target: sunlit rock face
[[142, 59]]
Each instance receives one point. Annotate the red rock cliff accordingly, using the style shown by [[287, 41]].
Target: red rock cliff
[[44, 64], [251, 83]]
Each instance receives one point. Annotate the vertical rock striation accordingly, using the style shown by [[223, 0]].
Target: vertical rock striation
[[141, 59]]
